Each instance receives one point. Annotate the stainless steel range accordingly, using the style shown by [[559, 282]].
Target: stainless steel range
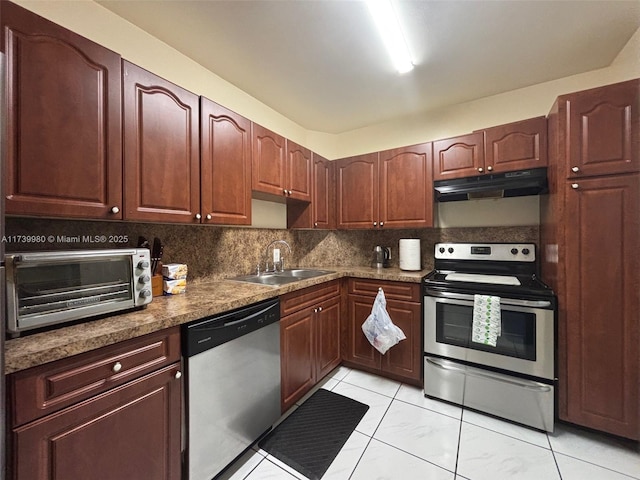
[[489, 332]]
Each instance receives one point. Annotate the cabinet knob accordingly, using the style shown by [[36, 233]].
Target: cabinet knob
[[115, 209], [375, 224], [574, 186], [198, 216], [178, 374], [315, 224], [209, 217], [575, 169], [289, 192], [116, 367], [381, 224], [480, 169], [315, 310], [489, 168], [284, 190], [319, 309]]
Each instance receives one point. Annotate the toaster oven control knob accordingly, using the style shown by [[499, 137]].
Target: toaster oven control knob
[[143, 264], [525, 251], [441, 249], [146, 293], [450, 249], [514, 251], [145, 279]]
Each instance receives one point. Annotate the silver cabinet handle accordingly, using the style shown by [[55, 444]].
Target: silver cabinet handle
[[115, 210], [116, 367], [289, 192], [480, 169], [315, 224], [382, 224], [315, 310], [178, 374], [209, 217], [375, 224], [198, 216], [319, 309], [575, 169], [574, 186], [489, 168]]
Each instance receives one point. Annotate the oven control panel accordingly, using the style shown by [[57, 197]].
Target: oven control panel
[[502, 252]]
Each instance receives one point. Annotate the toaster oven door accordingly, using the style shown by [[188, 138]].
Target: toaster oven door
[[49, 290]]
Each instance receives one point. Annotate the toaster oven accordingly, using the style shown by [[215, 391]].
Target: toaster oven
[[49, 288]]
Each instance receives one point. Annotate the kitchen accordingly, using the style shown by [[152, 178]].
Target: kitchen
[[231, 251]]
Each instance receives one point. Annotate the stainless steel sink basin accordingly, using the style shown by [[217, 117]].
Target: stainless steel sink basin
[[281, 278]]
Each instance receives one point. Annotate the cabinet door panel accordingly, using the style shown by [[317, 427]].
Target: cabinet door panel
[[602, 304], [132, 431], [516, 146], [323, 202], [458, 157], [357, 190], [358, 349], [406, 193], [298, 170], [405, 358], [161, 149], [269, 161], [225, 165], [603, 130], [64, 143], [297, 350], [328, 337]]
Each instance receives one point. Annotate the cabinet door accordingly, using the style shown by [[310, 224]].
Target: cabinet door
[[132, 431], [516, 146], [406, 193], [296, 362], [356, 348], [603, 130], [323, 202], [357, 191], [64, 131], [269, 161], [458, 157], [327, 337], [225, 146], [298, 172], [405, 358], [599, 334], [161, 149]]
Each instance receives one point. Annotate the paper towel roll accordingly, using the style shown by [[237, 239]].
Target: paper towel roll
[[410, 258]]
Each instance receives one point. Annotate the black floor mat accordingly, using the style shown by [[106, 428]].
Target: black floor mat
[[310, 438]]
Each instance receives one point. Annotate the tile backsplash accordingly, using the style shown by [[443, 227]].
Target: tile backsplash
[[218, 252]]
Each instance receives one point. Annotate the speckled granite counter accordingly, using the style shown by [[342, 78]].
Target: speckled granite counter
[[202, 299]]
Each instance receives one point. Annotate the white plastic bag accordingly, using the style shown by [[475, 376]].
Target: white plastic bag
[[378, 327]]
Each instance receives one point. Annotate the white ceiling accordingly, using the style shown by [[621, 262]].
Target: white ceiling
[[321, 64]]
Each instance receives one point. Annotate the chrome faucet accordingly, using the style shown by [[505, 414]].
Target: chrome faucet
[[278, 266]]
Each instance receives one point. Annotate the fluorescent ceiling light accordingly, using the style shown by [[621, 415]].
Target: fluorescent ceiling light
[[387, 22]]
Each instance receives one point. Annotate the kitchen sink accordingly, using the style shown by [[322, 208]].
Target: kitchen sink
[[281, 278]]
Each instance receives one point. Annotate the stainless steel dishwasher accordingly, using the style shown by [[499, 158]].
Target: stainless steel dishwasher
[[233, 385]]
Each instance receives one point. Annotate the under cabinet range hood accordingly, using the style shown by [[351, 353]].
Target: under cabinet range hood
[[495, 185]]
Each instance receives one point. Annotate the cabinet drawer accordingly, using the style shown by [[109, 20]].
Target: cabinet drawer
[[409, 292], [47, 388], [294, 301]]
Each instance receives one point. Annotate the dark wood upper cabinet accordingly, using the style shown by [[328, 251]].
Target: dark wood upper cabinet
[[516, 146], [269, 161], [320, 213], [603, 130], [357, 191], [299, 172], [161, 149], [225, 149], [406, 196], [458, 157], [64, 147]]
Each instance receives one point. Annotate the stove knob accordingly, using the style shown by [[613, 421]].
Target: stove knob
[[514, 251], [441, 249], [450, 250], [525, 251]]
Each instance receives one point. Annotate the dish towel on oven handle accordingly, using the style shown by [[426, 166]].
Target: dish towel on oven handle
[[487, 324], [378, 327]]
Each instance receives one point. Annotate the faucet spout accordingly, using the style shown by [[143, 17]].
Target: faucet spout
[[281, 262]]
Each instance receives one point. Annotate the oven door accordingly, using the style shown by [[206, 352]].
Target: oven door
[[526, 345]]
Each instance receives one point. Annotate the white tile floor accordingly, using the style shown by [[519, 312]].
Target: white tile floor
[[406, 436]]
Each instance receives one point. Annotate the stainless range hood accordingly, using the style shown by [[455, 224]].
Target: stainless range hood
[[497, 185]]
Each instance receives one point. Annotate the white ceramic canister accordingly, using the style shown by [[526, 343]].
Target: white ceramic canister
[[410, 258]]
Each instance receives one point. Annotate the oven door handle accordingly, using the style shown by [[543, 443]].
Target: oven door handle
[[530, 385], [503, 301]]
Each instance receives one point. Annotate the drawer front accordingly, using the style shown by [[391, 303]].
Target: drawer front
[[408, 292], [47, 388], [295, 301]]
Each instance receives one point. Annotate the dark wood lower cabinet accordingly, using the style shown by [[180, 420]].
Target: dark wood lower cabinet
[[126, 433], [401, 362]]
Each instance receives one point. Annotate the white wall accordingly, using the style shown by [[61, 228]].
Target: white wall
[[101, 25]]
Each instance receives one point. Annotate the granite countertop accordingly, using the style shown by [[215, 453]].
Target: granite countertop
[[202, 299]]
